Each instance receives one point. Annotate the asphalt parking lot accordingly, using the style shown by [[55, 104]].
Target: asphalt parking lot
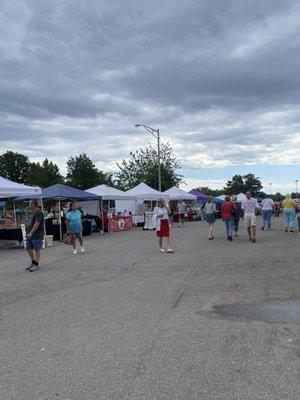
[[214, 321]]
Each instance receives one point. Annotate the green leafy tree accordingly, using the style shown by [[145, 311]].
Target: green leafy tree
[[44, 174], [14, 166], [142, 167], [242, 183], [277, 196], [83, 174]]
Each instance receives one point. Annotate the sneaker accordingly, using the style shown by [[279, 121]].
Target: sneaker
[[82, 250], [170, 251], [236, 234], [211, 238], [230, 238], [253, 240], [286, 231], [75, 251], [34, 268], [291, 231], [162, 250], [29, 266], [262, 228]]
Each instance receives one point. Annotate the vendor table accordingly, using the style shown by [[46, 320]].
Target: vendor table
[[11, 234]]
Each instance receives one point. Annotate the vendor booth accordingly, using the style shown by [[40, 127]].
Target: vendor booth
[[110, 213], [10, 228], [56, 224]]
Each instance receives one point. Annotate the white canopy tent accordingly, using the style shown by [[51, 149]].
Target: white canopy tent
[[144, 192], [14, 189], [241, 197], [107, 193], [222, 197], [110, 193], [139, 193], [178, 194]]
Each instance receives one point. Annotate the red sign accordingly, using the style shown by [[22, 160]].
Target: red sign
[[118, 224]]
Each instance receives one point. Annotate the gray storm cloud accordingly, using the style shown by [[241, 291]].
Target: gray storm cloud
[[225, 71]]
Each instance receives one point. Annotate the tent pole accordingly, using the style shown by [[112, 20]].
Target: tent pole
[[15, 216], [60, 227], [102, 218]]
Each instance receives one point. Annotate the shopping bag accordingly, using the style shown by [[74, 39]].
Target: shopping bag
[[67, 239]]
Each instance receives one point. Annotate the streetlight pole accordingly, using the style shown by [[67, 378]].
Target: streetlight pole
[[156, 134], [296, 181], [270, 185]]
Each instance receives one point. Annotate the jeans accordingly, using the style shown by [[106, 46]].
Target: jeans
[[229, 223], [236, 224], [289, 218], [267, 214]]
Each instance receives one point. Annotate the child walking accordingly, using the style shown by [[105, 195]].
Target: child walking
[[161, 222]]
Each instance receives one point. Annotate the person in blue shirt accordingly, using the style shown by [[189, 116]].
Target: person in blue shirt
[[74, 226]]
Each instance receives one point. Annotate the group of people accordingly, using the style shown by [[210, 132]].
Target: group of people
[[35, 232], [232, 211]]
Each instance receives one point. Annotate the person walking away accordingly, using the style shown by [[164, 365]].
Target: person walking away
[[74, 226], [34, 235], [289, 213], [250, 208], [228, 212], [160, 220], [237, 217], [267, 207], [181, 210], [209, 210]]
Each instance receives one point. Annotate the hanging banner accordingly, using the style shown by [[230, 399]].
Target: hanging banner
[[118, 224]]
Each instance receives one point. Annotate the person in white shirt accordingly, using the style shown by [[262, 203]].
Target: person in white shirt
[[267, 206], [181, 210], [250, 207], [160, 221]]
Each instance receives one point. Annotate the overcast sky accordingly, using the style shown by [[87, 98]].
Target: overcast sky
[[219, 78]]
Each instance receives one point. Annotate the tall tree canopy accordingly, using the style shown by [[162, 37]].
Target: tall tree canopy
[[142, 166], [83, 174], [14, 166], [44, 174], [242, 183]]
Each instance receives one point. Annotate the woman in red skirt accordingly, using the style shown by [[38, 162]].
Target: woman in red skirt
[[161, 222]]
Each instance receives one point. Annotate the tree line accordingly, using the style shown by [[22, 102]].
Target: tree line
[[141, 165], [82, 173]]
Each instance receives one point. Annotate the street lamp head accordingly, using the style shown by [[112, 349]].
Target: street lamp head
[[137, 125]]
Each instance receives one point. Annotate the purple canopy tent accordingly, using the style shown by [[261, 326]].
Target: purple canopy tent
[[201, 197]]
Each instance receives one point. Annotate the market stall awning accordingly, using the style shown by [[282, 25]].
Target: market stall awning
[[241, 197], [14, 189], [110, 193], [143, 192], [178, 194], [200, 196], [63, 192]]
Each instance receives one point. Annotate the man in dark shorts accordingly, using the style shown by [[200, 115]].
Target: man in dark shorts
[[35, 235]]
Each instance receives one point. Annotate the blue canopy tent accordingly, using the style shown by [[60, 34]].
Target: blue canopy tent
[[61, 192]]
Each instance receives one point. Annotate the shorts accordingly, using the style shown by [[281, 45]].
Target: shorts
[[75, 235], [34, 244], [250, 220], [210, 218]]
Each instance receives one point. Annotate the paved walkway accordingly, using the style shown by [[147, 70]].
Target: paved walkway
[[123, 321]]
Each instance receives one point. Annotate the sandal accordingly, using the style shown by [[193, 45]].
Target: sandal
[[162, 250], [170, 251]]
